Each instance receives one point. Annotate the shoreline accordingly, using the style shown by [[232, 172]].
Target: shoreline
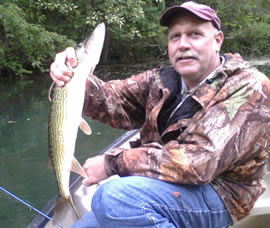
[[129, 68]]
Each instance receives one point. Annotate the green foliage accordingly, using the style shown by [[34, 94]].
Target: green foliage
[[254, 41], [32, 31], [121, 16], [245, 24], [25, 47], [140, 35]]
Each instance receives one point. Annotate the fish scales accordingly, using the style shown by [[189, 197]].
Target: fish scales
[[65, 117]]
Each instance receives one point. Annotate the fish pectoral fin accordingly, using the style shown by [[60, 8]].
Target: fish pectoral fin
[[84, 126], [92, 81], [77, 168]]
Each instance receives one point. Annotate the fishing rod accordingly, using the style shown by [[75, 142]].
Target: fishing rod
[[30, 206]]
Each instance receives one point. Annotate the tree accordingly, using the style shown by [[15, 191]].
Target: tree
[[25, 46], [32, 31], [30, 36]]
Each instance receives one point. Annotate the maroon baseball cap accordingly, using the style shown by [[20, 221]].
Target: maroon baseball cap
[[202, 11]]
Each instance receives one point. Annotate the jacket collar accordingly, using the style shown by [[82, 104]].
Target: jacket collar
[[209, 87]]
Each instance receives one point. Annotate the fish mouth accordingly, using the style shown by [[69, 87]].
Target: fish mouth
[[96, 36]]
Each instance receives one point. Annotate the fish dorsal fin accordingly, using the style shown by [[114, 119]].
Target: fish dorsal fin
[[77, 168], [50, 91], [84, 126]]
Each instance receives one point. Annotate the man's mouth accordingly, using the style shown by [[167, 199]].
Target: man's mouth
[[185, 56]]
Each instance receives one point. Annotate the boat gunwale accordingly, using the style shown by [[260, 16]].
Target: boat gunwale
[[39, 221]]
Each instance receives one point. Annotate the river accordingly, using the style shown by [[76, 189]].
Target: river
[[24, 109], [24, 148]]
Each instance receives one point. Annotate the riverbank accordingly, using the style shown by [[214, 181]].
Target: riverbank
[[259, 61], [116, 71], [123, 70]]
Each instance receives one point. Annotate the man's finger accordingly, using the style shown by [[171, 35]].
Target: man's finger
[[71, 56], [60, 75], [88, 181]]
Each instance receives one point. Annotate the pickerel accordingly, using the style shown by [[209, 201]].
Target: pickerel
[[65, 116]]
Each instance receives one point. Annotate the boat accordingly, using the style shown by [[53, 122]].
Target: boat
[[259, 217]]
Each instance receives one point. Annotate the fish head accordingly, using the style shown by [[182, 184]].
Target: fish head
[[89, 50]]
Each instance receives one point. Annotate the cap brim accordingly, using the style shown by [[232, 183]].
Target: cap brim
[[169, 14]]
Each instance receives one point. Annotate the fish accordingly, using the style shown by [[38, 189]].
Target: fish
[[65, 117]]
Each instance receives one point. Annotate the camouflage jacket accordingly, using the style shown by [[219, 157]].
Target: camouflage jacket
[[223, 143]]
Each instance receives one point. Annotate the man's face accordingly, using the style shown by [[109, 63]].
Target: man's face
[[193, 46]]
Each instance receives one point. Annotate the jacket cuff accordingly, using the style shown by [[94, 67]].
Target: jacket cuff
[[111, 164]]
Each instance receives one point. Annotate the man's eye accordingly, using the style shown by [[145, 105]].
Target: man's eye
[[195, 34], [175, 36]]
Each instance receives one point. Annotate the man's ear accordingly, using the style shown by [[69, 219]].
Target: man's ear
[[219, 40]]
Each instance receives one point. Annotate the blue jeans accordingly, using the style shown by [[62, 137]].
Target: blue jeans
[[145, 202]]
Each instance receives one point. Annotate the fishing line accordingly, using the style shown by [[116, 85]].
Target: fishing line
[[30, 206]]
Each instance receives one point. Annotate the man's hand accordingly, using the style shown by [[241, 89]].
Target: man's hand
[[59, 71], [94, 168]]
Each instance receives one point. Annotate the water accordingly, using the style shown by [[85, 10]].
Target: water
[[24, 148]]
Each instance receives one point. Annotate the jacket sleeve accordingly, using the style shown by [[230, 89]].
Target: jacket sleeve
[[118, 103], [231, 132]]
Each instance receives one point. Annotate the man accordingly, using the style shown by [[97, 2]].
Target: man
[[204, 125]]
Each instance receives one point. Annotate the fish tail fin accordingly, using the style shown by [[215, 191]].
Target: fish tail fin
[[74, 208], [65, 207]]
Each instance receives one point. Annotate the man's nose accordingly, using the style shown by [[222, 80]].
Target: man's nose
[[183, 43]]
